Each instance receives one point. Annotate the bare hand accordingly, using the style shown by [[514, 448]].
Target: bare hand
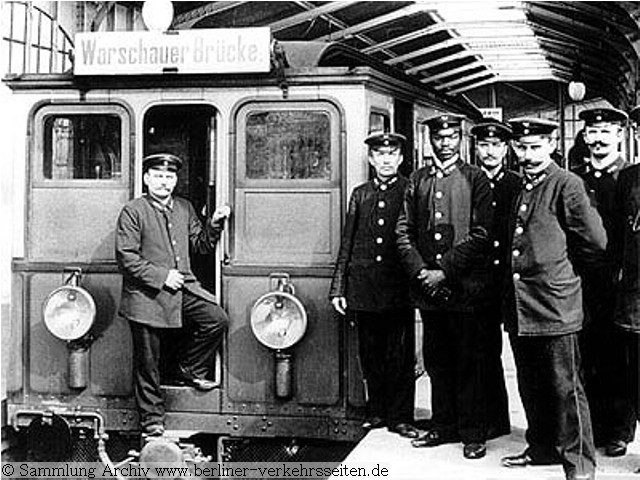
[[221, 213], [174, 280], [340, 305], [431, 278]]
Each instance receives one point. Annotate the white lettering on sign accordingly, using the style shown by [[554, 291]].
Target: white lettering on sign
[[494, 112], [228, 50]]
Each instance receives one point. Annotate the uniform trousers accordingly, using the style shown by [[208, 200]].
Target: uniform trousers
[[387, 355], [555, 403], [204, 323], [455, 357], [606, 363], [497, 399]]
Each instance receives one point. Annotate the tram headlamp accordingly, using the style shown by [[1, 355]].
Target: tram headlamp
[[69, 312], [278, 320]]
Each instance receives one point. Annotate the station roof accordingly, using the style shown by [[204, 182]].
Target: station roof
[[459, 47]]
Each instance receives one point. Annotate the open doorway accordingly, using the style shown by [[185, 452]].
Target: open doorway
[[187, 131]]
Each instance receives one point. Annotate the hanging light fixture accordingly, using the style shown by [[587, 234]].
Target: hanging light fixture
[[157, 14], [577, 88]]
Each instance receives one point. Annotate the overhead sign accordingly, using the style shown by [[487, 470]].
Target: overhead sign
[[221, 50], [495, 112]]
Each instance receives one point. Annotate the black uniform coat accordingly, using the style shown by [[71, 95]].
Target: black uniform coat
[[368, 270], [151, 240], [628, 202], [505, 186], [552, 228], [445, 224]]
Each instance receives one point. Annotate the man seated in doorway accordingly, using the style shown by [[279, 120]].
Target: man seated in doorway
[[154, 236], [370, 287]]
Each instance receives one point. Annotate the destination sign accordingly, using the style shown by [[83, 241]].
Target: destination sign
[[221, 50]]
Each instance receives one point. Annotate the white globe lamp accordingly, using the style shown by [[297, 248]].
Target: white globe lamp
[[157, 14], [577, 91]]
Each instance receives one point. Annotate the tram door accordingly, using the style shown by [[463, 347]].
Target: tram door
[[286, 193], [188, 132]]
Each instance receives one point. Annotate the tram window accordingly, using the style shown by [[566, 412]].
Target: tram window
[[288, 144], [82, 147], [379, 122]]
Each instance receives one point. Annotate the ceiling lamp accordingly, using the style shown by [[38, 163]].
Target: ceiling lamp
[[157, 14], [577, 90]]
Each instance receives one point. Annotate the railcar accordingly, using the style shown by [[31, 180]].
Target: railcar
[[284, 148]]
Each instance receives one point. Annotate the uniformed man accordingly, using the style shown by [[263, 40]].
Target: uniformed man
[[154, 236], [370, 287], [627, 315], [553, 231], [604, 361], [492, 145], [443, 238]]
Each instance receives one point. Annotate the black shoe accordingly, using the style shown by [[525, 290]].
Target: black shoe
[[474, 450], [153, 430], [405, 430], [615, 448], [201, 384], [371, 423], [524, 459], [433, 438], [520, 460]]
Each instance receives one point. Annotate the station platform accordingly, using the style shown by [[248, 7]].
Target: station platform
[[447, 463]]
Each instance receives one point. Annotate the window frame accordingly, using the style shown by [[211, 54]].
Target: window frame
[[242, 181], [45, 112]]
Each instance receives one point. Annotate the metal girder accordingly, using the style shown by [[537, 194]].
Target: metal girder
[[473, 85], [579, 45], [440, 61], [330, 18], [450, 42], [189, 19], [372, 23], [549, 14], [446, 85], [430, 30], [309, 15], [454, 71], [618, 21]]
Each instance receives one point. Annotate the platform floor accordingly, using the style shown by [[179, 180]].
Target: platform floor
[[447, 463]]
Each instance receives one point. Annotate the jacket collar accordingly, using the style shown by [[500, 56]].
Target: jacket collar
[[611, 168], [497, 177], [529, 182], [444, 170], [155, 203], [380, 185]]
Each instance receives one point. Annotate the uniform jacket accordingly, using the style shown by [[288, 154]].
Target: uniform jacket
[[628, 195], [601, 188], [552, 230], [599, 286], [151, 240], [368, 270], [505, 186], [445, 224]]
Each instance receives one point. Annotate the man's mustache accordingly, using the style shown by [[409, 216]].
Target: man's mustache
[[598, 144]]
